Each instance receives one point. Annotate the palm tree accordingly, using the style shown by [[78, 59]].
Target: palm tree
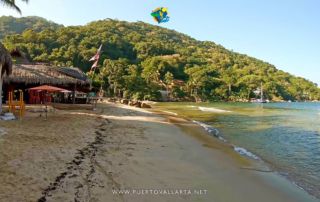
[[12, 4], [5, 68], [5, 58]]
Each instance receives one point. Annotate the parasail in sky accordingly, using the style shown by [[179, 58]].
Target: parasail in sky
[[160, 15]]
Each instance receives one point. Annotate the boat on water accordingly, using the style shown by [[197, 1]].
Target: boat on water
[[261, 100]]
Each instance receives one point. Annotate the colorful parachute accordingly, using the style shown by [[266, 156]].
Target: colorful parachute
[[160, 15]]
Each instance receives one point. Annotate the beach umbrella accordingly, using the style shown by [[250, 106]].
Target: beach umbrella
[[48, 89]]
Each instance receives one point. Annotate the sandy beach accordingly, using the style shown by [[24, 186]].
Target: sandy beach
[[119, 153]]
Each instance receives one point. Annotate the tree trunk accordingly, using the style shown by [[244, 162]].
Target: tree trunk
[[115, 90], [1, 81]]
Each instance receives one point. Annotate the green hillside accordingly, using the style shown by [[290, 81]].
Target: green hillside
[[139, 59], [11, 25]]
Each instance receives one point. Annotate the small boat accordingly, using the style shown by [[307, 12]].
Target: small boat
[[261, 100]]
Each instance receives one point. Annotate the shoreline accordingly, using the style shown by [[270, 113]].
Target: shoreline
[[261, 164], [243, 151], [256, 163], [82, 155]]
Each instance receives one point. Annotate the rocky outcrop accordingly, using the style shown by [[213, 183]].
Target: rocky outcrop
[[135, 103], [145, 105], [124, 101]]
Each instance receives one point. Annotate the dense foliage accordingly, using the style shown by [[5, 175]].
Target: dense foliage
[[139, 59], [10, 25]]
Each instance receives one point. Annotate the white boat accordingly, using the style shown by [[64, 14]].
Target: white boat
[[261, 100]]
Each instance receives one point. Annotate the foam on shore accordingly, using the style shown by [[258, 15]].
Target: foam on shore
[[244, 152], [172, 113], [215, 132], [211, 130]]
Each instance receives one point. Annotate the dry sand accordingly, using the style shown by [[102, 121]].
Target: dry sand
[[88, 155]]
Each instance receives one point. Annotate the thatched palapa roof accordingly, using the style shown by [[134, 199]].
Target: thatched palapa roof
[[73, 72], [44, 74], [5, 61]]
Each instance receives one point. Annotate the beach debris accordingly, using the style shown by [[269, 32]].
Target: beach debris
[[160, 15], [8, 117]]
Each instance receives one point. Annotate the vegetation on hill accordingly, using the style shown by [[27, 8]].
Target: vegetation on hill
[[11, 25], [139, 59]]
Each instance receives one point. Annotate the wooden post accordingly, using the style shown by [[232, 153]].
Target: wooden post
[[45, 100], [74, 94], [9, 101], [21, 104], [11, 108]]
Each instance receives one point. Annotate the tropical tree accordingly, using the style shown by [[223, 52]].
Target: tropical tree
[[202, 80], [168, 80], [115, 71], [5, 68], [12, 4], [229, 79], [134, 84], [5, 58]]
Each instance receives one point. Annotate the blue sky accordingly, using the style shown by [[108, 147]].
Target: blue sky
[[285, 33]]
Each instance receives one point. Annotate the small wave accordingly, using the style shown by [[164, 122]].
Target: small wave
[[212, 109], [244, 152], [211, 130], [191, 106], [172, 113], [297, 185], [215, 132]]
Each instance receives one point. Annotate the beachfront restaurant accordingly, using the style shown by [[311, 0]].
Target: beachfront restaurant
[[26, 76]]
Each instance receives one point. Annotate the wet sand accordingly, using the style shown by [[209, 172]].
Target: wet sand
[[91, 155]]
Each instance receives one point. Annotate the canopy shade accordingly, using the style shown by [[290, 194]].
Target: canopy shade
[[49, 89]]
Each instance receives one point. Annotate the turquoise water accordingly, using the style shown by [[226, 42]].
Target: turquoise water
[[285, 135]]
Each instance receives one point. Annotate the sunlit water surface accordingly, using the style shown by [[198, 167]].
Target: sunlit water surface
[[285, 135]]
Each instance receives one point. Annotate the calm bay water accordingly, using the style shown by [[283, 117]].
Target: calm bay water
[[285, 135]]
